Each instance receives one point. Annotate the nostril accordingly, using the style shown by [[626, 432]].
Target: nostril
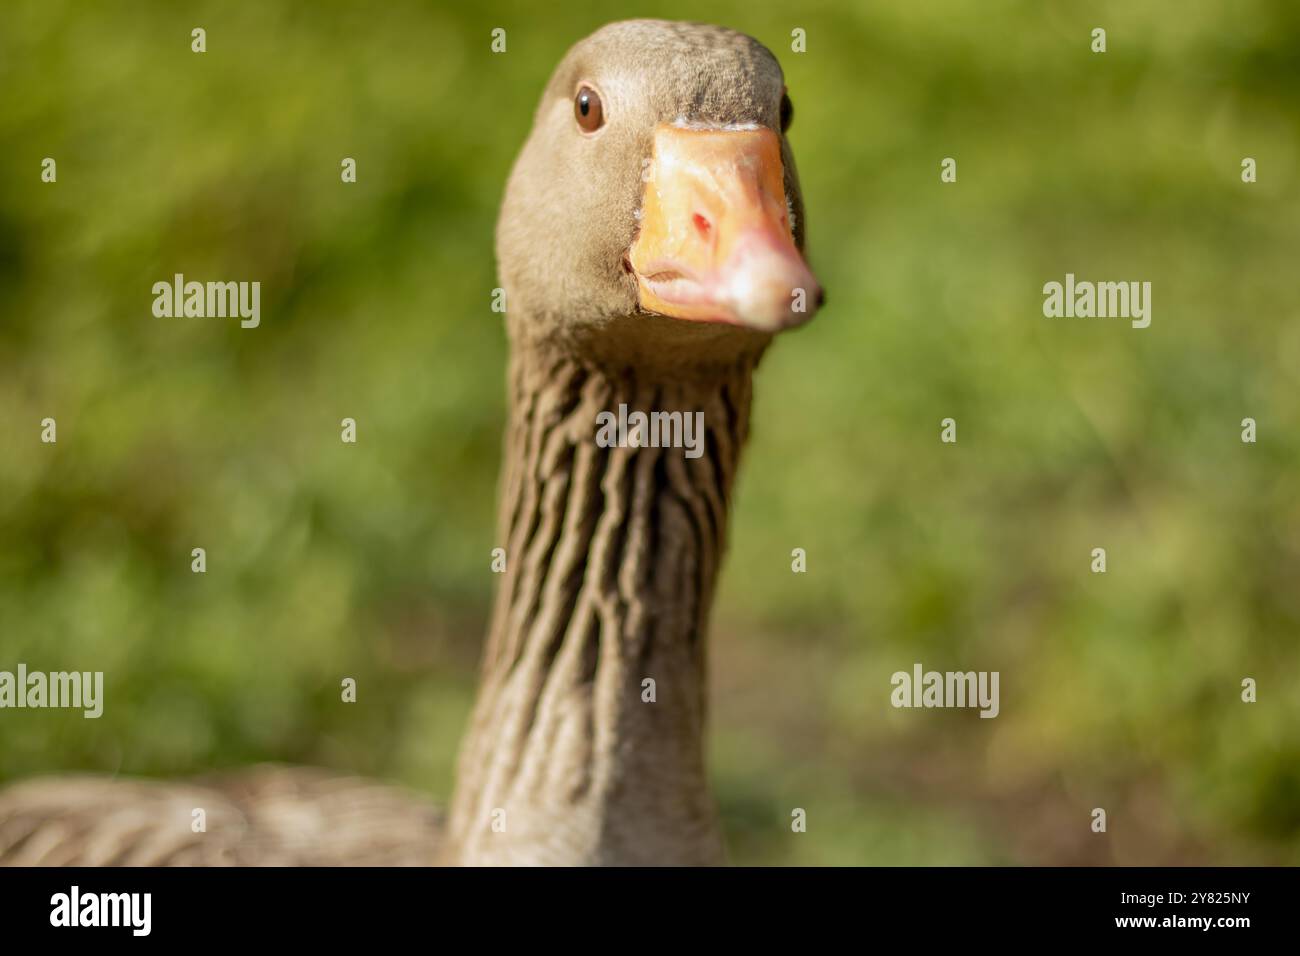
[[702, 225], [821, 297]]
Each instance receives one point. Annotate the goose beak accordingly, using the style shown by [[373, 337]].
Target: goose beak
[[716, 243]]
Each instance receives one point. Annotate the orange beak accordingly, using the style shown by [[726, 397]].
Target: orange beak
[[716, 243]]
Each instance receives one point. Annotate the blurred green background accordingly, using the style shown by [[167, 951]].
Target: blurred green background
[[372, 561]]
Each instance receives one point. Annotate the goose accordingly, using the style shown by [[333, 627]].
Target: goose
[[650, 244]]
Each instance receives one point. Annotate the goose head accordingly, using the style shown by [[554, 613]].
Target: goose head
[[655, 203]]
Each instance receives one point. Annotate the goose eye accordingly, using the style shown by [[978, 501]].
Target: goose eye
[[587, 110], [787, 111]]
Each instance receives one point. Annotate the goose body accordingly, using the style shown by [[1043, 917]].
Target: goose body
[[265, 816], [650, 245]]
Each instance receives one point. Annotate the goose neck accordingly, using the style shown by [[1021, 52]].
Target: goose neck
[[586, 744]]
